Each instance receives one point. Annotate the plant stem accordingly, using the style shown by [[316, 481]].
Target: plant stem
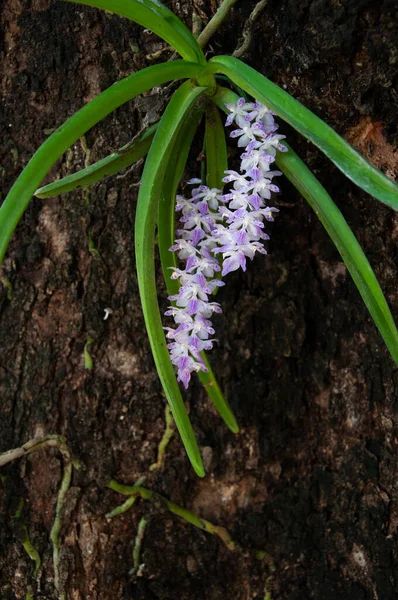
[[137, 544], [168, 434], [215, 22], [119, 510], [247, 35], [55, 533], [34, 445], [134, 491], [183, 513], [160, 501], [31, 551]]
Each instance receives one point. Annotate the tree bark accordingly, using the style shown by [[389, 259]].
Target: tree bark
[[312, 476]]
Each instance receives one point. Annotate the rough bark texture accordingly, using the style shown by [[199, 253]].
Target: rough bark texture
[[312, 476]]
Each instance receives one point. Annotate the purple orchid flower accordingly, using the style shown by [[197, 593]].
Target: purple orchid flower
[[219, 232]]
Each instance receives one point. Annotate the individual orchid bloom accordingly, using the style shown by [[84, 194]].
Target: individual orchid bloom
[[239, 180], [272, 143], [251, 248], [179, 315], [245, 134], [265, 115], [261, 185], [246, 221], [235, 257], [184, 206], [231, 240], [257, 175], [240, 109], [199, 345], [184, 248], [205, 264], [198, 220], [177, 273], [236, 199], [207, 244], [261, 131], [185, 364], [236, 260], [266, 213], [215, 283], [201, 327], [207, 309], [196, 287], [224, 236], [180, 346], [256, 159], [209, 197], [188, 342]]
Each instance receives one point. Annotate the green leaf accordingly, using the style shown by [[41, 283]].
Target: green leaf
[[166, 220], [340, 232], [153, 15], [115, 162], [215, 394], [216, 164], [216, 148], [345, 157], [45, 157], [88, 361], [173, 175], [346, 243], [152, 181]]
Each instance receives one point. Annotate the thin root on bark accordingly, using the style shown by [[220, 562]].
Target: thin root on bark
[[30, 447]]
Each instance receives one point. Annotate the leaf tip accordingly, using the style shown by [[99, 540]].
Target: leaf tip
[[234, 427], [198, 468]]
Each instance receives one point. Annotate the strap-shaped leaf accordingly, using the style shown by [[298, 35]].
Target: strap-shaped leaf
[[216, 148], [346, 243], [145, 223], [115, 162], [166, 221], [215, 394], [216, 164], [153, 15], [345, 157], [40, 164], [340, 232], [173, 175]]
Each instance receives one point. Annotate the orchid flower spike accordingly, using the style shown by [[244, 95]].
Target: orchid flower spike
[[219, 232]]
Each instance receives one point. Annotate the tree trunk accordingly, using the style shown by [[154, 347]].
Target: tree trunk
[[311, 477]]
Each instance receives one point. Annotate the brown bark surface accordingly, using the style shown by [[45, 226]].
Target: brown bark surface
[[312, 476]]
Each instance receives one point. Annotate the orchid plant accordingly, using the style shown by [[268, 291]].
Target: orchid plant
[[219, 228]]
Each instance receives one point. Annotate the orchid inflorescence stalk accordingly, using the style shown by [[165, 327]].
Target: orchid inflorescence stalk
[[204, 236], [219, 229]]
